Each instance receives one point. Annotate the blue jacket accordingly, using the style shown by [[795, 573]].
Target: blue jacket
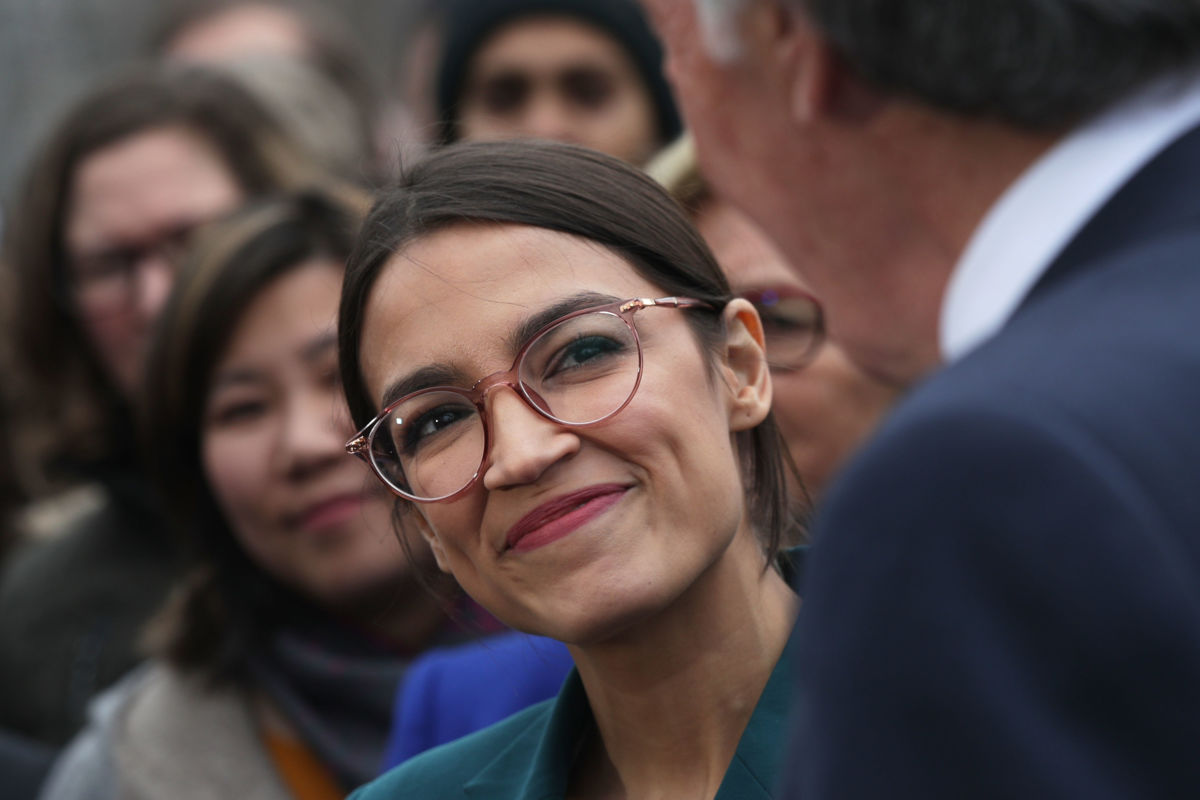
[[1003, 596], [452, 691]]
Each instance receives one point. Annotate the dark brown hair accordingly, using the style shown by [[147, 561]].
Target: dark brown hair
[[72, 414], [578, 192], [227, 602]]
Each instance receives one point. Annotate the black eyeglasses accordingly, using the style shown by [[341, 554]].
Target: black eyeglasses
[[105, 281], [579, 370]]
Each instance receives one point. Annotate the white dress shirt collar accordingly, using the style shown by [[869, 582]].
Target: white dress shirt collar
[[1039, 214]]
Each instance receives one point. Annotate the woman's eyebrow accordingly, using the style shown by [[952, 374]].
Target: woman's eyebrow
[[238, 376], [445, 375], [532, 324], [320, 346], [423, 378]]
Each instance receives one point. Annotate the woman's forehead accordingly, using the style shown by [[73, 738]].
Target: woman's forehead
[[506, 265], [456, 295]]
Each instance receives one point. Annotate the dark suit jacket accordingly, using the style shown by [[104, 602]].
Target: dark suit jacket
[[1003, 598]]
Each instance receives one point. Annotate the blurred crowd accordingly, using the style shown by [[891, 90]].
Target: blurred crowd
[[183, 536], [202, 595]]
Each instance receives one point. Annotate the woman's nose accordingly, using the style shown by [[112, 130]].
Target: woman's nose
[[154, 276], [524, 444], [312, 435]]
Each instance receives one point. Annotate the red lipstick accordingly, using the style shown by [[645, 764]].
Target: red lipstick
[[561, 516]]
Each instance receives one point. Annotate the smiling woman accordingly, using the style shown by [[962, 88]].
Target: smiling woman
[[574, 411], [279, 654]]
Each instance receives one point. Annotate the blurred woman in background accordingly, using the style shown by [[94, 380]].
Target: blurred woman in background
[[277, 657], [109, 206]]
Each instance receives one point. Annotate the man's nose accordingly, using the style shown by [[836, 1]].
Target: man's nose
[[547, 117]]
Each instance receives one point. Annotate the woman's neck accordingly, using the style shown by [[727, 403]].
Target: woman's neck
[[407, 614], [672, 696]]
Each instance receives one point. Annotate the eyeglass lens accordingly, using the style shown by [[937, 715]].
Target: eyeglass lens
[[105, 280], [792, 325], [577, 372]]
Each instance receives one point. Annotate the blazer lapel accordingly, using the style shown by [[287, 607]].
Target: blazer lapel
[[757, 763], [515, 773]]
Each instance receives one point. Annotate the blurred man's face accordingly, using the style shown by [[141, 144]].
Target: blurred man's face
[[751, 77], [560, 79], [720, 94]]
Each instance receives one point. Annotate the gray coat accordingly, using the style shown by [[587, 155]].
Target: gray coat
[[159, 735]]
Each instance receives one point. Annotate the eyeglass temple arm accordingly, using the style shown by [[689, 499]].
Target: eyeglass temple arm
[[358, 446], [672, 302]]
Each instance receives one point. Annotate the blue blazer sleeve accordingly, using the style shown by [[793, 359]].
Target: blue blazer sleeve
[[450, 692]]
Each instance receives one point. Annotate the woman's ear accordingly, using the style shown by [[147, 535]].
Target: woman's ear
[[431, 539], [747, 374]]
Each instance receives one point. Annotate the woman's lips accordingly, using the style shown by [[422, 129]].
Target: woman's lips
[[330, 513], [552, 521]]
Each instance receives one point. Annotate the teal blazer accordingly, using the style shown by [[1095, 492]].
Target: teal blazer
[[529, 754]]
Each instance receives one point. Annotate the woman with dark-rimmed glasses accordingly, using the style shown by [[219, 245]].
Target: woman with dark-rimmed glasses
[[574, 412], [137, 165]]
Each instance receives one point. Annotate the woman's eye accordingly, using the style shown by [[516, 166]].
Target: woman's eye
[[586, 351], [505, 93], [238, 412], [104, 266], [587, 87], [430, 423], [331, 378]]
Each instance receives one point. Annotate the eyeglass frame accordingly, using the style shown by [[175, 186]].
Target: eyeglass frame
[[757, 298], [360, 444], [169, 246]]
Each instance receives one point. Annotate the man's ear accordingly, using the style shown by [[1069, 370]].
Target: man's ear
[[417, 518], [819, 83], [746, 371]]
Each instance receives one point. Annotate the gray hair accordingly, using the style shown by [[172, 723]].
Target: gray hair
[[719, 28], [1042, 64]]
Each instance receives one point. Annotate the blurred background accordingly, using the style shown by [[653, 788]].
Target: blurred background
[[52, 50]]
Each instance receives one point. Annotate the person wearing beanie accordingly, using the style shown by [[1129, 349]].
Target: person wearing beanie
[[582, 71]]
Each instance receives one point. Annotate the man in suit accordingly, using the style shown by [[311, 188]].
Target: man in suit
[[999, 203]]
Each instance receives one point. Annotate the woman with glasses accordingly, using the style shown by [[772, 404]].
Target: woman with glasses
[[573, 411], [824, 405], [277, 657], [121, 183]]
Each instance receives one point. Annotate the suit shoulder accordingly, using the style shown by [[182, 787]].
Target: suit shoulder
[[443, 771]]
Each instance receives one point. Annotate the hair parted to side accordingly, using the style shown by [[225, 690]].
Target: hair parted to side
[[582, 193], [1040, 64], [71, 414], [226, 603]]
